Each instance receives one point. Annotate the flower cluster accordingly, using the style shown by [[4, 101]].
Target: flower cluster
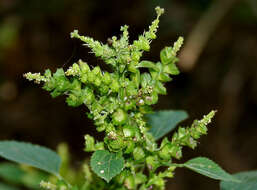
[[117, 102]]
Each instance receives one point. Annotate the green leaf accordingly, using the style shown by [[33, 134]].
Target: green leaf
[[11, 172], [33, 155], [148, 64], [106, 165], [208, 168], [167, 55], [248, 181], [7, 187], [162, 122], [171, 69]]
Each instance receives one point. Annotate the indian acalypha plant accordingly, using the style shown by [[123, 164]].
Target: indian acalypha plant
[[130, 156]]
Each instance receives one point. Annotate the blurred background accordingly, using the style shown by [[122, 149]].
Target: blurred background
[[218, 64]]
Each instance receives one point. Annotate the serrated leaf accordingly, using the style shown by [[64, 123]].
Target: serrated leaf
[[162, 122], [106, 165], [208, 168], [33, 155], [248, 181]]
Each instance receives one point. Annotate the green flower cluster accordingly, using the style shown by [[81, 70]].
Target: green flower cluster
[[117, 102]]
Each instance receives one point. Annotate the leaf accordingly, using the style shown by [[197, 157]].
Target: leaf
[[167, 56], [208, 168], [7, 187], [162, 122], [248, 181], [106, 165], [148, 64], [171, 69], [11, 172], [33, 155]]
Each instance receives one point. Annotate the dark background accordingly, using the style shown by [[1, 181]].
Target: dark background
[[218, 64]]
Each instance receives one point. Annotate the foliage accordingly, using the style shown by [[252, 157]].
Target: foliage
[[248, 181], [129, 157]]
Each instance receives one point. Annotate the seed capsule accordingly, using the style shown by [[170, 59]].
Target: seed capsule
[[119, 117]]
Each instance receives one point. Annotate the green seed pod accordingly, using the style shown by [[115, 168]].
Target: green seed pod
[[122, 176], [101, 128], [175, 151], [96, 71], [116, 144], [138, 153], [110, 128], [151, 99], [152, 163], [202, 129], [143, 43], [182, 133], [164, 142], [131, 90], [48, 73], [130, 147], [140, 178], [107, 78], [129, 104], [89, 96], [130, 182], [128, 131], [115, 86], [135, 55], [83, 78], [73, 100], [191, 143], [164, 153], [76, 86], [119, 117], [89, 143], [97, 81], [91, 77], [76, 69], [157, 181], [84, 67], [132, 66]]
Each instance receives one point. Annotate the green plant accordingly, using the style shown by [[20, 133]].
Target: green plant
[[119, 102]]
